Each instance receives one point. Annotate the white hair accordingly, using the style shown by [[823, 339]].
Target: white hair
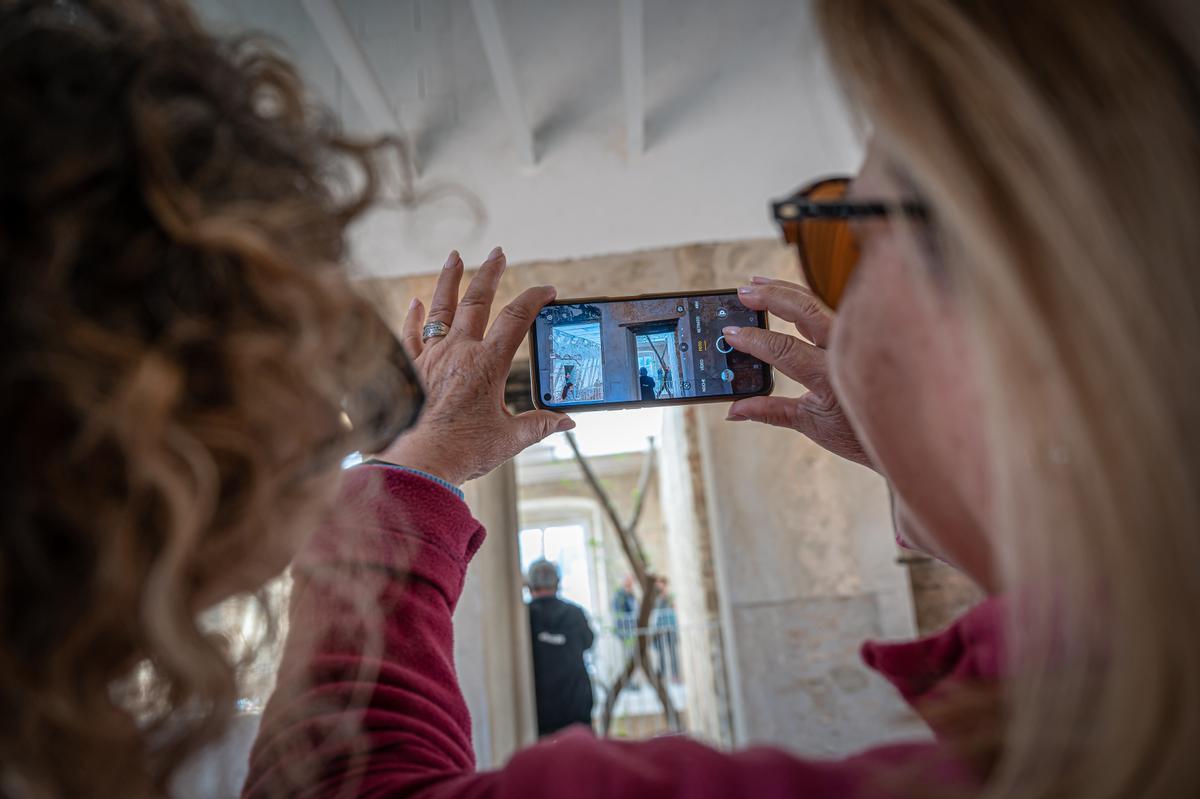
[[543, 575]]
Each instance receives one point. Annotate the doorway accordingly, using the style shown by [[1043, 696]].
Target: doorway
[[564, 542], [657, 361]]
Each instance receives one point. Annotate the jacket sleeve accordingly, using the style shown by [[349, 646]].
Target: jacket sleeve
[[367, 702], [585, 630]]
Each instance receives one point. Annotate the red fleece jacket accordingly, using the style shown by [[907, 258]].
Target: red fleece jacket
[[368, 703]]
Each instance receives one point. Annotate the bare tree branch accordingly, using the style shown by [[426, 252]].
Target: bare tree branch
[[639, 499], [633, 551], [631, 546]]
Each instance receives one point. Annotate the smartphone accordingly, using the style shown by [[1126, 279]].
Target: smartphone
[[638, 352]]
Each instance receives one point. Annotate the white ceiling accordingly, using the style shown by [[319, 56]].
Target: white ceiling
[[738, 107]]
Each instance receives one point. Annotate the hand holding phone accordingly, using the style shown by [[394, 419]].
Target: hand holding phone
[[464, 430], [816, 413], [636, 352]]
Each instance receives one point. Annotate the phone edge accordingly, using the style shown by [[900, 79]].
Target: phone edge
[[768, 387]]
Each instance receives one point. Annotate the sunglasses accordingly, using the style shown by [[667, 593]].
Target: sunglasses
[[816, 221]]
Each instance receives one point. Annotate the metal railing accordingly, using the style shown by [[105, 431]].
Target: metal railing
[[638, 712]]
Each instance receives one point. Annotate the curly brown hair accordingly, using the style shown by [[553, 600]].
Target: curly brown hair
[[183, 351]]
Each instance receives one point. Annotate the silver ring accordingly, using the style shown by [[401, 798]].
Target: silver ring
[[434, 330]]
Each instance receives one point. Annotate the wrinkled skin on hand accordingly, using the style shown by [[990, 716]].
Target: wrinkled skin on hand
[[465, 430], [817, 414]]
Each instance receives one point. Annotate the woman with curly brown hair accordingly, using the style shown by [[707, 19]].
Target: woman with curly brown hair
[[182, 349]]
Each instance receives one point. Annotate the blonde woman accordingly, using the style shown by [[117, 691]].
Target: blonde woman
[[1014, 349]]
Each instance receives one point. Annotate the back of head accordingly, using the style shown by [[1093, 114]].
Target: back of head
[[543, 576], [181, 341], [1058, 145]]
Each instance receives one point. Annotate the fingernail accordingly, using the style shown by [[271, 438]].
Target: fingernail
[[414, 303], [747, 289], [452, 259], [731, 332], [735, 417], [495, 254], [564, 424], [759, 280], [553, 291]]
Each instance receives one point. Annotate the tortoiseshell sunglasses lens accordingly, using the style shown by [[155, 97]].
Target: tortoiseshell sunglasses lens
[[828, 251]]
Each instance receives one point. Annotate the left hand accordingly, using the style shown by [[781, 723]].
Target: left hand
[[464, 430], [817, 414]]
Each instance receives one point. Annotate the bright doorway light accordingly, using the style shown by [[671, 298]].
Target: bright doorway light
[[566, 546], [611, 432]]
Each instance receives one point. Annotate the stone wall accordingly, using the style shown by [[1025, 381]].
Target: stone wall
[[940, 593], [806, 570], [693, 268]]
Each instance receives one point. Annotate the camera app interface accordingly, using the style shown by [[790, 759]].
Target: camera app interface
[[644, 351]]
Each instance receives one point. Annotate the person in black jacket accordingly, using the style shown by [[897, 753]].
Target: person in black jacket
[[561, 634], [646, 382]]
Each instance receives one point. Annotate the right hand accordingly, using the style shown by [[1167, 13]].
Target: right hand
[[465, 430], [816, 414]]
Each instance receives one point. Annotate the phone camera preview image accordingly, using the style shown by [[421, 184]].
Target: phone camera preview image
[[662, 350]]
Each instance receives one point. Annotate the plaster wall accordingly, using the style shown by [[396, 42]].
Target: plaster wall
[[806, 570], [690, 541]]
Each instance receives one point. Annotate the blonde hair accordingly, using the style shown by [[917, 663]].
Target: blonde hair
[[1058, 144]]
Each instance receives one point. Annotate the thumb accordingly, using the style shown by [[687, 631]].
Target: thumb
[[778, 411], [533, 426]]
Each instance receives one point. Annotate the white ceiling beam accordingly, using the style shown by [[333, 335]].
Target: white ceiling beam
[[633, 76], [343, 46], [495, 47]]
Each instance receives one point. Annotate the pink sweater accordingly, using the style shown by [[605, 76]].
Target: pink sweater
[[368, 703]]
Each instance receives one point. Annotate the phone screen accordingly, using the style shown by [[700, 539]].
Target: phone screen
[[652, 350]]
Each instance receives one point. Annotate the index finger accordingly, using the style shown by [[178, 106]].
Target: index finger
[[514, 320], [792, 303], [796, 358]]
